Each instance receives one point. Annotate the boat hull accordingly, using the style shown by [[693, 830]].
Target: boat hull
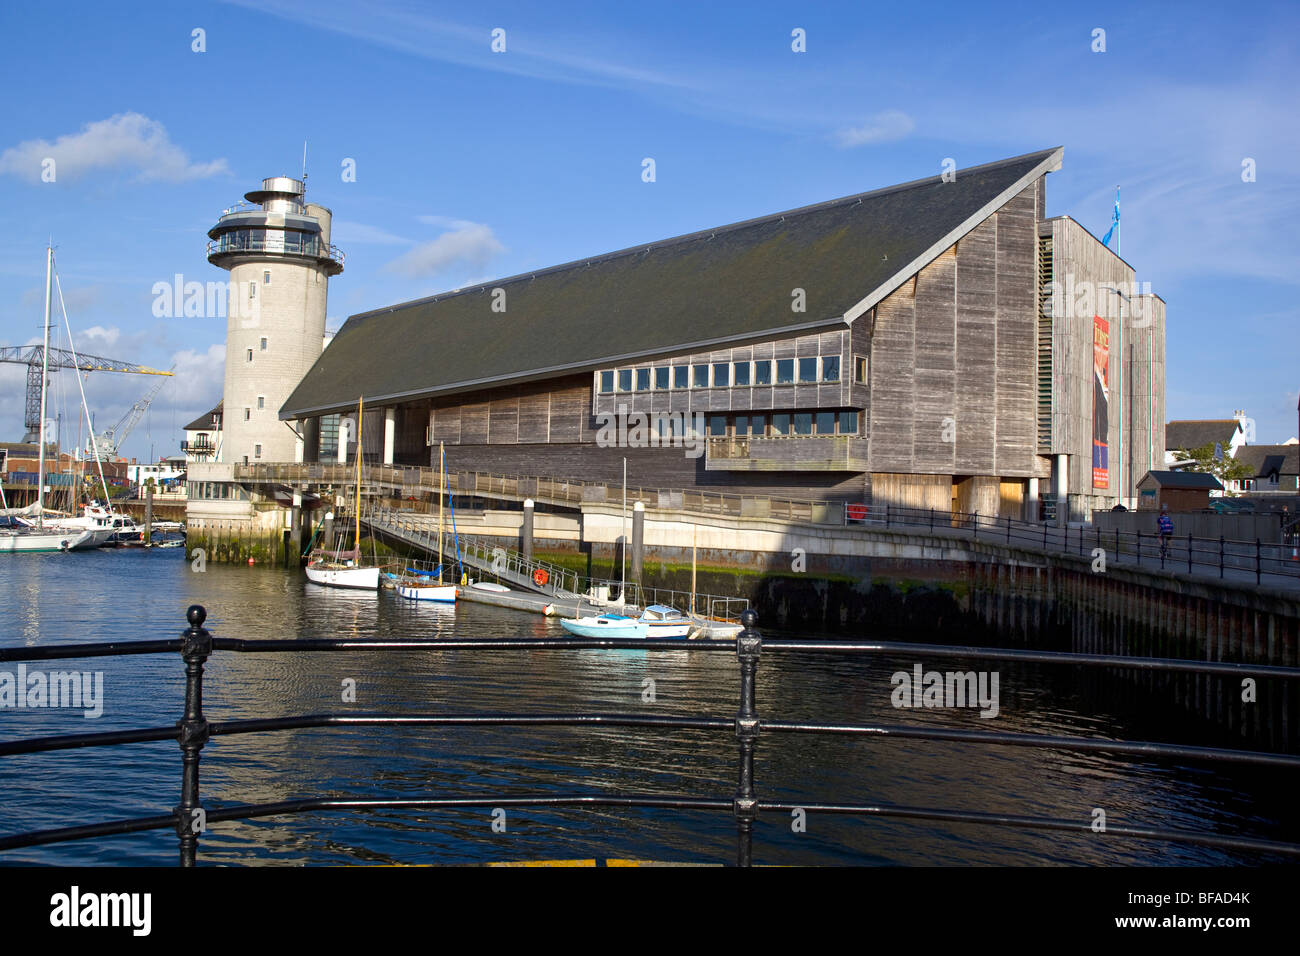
[[605, 627], [441, 593], [47, 541], [360, 578]]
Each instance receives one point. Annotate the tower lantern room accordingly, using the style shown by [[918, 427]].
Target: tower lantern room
[[276, 247]]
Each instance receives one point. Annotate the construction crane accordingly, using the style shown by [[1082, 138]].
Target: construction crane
[[107, 442], [33, 355]]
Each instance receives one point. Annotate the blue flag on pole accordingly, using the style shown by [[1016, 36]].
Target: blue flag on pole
[[1105, 240]]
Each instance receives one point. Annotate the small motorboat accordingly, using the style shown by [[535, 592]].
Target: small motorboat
[[605, 625]]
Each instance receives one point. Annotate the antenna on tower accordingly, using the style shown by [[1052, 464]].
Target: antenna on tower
[[304, 166]]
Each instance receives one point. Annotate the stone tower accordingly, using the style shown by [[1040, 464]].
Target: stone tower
[[278, 253]]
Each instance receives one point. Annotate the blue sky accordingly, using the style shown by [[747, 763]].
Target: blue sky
[[472, 164]]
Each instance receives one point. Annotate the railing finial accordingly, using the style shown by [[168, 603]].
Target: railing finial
[[196, 615]]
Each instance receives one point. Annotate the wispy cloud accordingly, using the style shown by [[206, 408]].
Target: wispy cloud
[[472, 245], [124, 141], [882, 128], [345, 232]]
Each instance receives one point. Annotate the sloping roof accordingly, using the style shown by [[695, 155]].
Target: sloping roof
[[1183, 479], [1191, 434], [207, 422], [708, 289], [1265, 459]]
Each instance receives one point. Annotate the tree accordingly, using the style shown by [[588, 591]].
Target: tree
[[1211, 459]]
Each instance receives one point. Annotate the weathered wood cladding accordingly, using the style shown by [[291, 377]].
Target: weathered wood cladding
[[953, 357]]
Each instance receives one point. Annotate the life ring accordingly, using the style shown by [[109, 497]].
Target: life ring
[[540, 577]]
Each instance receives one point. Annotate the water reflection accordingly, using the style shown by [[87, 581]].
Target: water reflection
[[136, 595]]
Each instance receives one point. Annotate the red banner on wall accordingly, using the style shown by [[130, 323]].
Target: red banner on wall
[[1100, 402]]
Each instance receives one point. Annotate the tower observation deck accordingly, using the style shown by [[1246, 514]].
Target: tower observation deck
[[277, 250]]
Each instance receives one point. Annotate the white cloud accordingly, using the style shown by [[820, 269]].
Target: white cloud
[[124, 141], [472, 245], [881, 128], [96, 336], [361, 234]]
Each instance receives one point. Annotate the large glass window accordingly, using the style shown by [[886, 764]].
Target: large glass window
[[681, 376], [606, 382], [643, 380], [763, 373], [742, 426], [699, 376], [742, 373], [721, 374], [859, 370], [757, 425], [781, 423], [784, 371], [803, 422], [718, 425], [807, 370], [661, 376], [831, 368], [848, 423], [825, 423], [625, 380]]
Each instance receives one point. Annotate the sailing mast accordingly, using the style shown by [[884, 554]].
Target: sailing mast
[[442, 477], [356, 541], [622, 576], [45, 371]]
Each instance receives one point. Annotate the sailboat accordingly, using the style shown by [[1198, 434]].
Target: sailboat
[[427, 585], [40, 538], [343, 569]]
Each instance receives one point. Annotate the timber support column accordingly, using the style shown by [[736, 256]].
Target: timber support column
[[526, 532], [292, 552], [1031, 501], [148, 513], [390, 433], [1062, 479], [638, 540]]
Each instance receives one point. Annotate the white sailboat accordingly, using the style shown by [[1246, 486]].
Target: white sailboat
[[40, 538], [427, 585], [344, 570]]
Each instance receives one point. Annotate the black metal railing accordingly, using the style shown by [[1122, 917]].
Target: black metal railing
[[189, 818]]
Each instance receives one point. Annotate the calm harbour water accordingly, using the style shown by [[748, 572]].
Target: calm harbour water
[[131, 595]]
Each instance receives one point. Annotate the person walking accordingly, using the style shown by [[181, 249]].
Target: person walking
[[1166, 526]]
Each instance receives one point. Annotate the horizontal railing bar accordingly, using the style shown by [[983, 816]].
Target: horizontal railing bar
[[258, 725], [109, 738], [508, 644], [103, 649], [66, 834], [243, 645], [250, 811], [1033, 657], [1036, 823], [1044, 741]]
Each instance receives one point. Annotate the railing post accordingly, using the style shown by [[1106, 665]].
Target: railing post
[[977, 526], [1220, 556], [1117, 542], [1008, 529], [1139, 546], [1189, 554], [1257, 560], [192, 733], [749, 644], [932, 521]]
